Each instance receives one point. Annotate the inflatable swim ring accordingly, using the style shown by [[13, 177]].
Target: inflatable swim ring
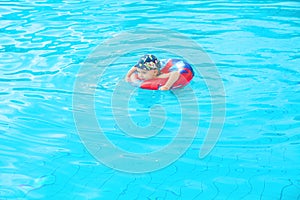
[[185, 70]]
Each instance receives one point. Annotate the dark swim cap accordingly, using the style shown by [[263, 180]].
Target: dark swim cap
[[148, 62]]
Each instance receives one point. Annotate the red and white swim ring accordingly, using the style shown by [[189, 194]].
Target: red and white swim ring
[[184, 68]]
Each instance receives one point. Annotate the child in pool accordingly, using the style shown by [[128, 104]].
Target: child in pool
[[148, 68]]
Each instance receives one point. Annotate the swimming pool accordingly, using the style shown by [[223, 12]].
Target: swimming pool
[[255, 48]]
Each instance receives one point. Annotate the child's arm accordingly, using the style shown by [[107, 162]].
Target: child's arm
[[173, 77], [129, 73]]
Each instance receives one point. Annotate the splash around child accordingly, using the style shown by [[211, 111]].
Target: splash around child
[[150, 73]]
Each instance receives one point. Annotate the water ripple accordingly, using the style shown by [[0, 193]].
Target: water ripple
[[40, 73]]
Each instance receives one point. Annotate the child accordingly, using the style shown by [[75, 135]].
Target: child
[[148, 68]]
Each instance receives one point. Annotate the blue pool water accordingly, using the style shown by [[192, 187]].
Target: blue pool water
[[255, 48]]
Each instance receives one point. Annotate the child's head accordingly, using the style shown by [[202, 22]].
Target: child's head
[[148, 67]]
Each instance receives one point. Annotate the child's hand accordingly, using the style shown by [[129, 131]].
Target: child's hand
[[129, 73], [127, 78], [164, 88]]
